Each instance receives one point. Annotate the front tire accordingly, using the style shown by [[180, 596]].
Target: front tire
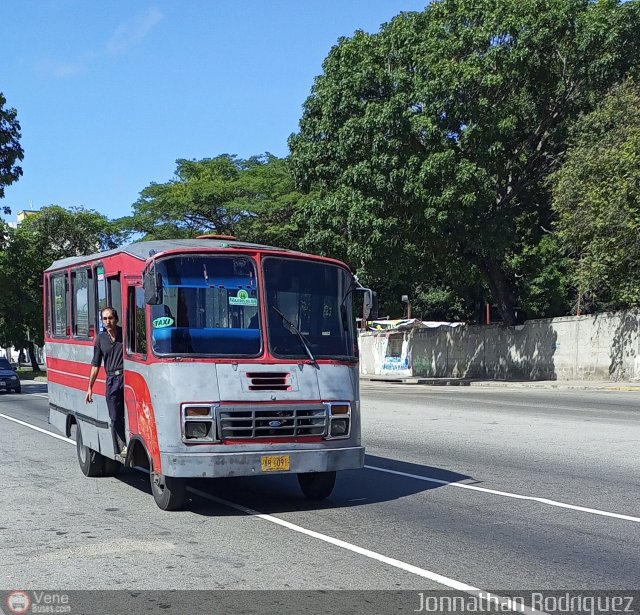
[[91, 462], [317, 485], [168, 492]]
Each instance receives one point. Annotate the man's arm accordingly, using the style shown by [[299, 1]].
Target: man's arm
[[92, 378], [95, 368]]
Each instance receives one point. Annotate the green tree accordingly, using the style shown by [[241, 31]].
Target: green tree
[[596, 195], [48, 235], [10, 149], [272, 203], [10, 154], [253, 199], [541, 279], [429, 143]]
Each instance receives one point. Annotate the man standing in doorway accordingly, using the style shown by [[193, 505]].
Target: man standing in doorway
[[108, 347]]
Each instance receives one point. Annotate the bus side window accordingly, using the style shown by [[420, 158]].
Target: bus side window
[[91, 299], [80, 310], [136, 321], [47, 305], [101, 288], [59, 304], [115, 294]]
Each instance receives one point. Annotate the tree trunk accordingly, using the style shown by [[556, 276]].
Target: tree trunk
[[32, 355], [500, 289]]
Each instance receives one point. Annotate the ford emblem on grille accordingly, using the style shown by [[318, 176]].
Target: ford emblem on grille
[[275, 423]]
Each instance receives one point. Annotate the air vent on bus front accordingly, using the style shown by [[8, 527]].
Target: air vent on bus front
[[269, 381]]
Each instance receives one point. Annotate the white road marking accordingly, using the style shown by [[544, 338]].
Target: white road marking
[[506, 494], [508, 603], [30, 426]]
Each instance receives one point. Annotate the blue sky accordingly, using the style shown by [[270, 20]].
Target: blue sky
[[110, 94]]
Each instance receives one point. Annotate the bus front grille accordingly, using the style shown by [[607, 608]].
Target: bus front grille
[[267, 421]]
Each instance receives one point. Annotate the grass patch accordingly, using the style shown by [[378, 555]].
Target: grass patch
[[29, 374]]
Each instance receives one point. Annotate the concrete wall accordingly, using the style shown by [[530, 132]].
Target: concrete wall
[[386, 354], [596, 347]]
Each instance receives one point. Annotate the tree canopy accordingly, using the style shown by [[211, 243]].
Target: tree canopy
[[429, 144], [43, 237], [596, 195], [10, 150], [254, 199]]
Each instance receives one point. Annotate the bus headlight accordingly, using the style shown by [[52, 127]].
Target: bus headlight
[[339, 413], [197, 430], [339, 427], [198, 422]]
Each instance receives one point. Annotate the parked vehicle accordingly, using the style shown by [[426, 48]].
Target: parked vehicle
[[9, 379], [239, 360]]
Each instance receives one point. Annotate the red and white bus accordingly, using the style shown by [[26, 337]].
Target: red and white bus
[[239, 360]]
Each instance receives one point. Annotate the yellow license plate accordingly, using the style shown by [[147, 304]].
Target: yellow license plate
[[276, 463]]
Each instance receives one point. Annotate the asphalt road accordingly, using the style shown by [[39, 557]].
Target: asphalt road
[[497, 489]]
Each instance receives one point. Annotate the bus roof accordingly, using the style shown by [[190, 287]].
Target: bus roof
[[144, 249]]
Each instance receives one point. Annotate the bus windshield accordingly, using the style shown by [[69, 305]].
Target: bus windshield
[[210, 306], [308, 304]]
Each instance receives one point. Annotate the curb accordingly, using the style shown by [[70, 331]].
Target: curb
[[530, 384]]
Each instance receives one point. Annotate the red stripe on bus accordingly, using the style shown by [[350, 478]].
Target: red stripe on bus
[[72, 341], [263, 359], [74, 381], [75, 367]]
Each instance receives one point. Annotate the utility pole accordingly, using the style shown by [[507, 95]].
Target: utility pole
[[405, 299]]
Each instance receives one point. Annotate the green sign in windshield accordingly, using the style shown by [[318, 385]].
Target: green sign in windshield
[[243, 299], [163, 321]]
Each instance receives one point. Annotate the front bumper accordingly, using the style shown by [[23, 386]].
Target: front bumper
[[220, 465]]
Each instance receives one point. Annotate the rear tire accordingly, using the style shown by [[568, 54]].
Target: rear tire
[[168, 492], [317, 485], [91, 462]]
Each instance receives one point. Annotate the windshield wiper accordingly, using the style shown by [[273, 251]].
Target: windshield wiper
[[303, 339]]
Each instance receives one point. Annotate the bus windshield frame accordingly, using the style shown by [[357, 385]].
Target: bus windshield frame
[[309, 303], [210, 306]]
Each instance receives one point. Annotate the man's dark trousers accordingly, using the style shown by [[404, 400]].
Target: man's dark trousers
[[115, 403]]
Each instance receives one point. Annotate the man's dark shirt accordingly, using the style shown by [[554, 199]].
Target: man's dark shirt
[[110, 351]]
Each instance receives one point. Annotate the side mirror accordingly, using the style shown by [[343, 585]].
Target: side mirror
[[367, 303], [152, 284]]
